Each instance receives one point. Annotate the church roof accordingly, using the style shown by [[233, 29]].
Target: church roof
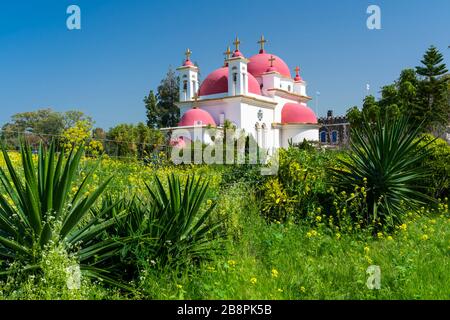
[[217, 82], [297, 113], [196, 116], [260, 63]]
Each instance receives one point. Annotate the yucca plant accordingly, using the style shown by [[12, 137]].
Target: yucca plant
[[385, 158], [170, 226], [182, 229], [38, 207]]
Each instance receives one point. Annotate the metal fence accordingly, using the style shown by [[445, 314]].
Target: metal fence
[[113, 148]]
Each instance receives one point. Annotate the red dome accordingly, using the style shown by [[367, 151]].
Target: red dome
[[297, 113], [188, 63], [217, 82], [237, 53], [193, 116], [259, 64]]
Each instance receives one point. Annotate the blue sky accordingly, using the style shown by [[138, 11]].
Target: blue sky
[[125, 47]]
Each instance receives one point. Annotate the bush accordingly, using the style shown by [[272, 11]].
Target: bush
[[168, 227], [47, 206], [294, 191], [437, 163], [385, 159]]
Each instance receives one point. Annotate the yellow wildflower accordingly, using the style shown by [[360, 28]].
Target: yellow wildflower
[[275, 273]]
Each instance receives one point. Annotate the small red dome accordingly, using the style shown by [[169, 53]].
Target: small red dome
[[194, 116], [259, 64], [217, 82], [237, 53], [188, 63], [297, 113]]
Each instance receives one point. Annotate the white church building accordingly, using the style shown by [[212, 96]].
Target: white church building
[[257, 96]]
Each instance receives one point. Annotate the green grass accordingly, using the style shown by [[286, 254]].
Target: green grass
[[259, 260], [319, 267]]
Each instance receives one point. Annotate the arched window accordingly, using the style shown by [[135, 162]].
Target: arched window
[[258, 133], [264, 135], [334, 136], [323, 137]]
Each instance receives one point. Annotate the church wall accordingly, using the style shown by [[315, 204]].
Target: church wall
[[249, 116], [297, 134], [230, 109]]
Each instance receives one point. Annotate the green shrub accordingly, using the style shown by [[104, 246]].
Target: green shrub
[[167, 227], [437, 164], [294, 191], [42, 207], [385, 159]]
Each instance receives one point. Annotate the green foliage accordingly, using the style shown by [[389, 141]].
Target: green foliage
[[80, 134], [421, 94], [437, 163], [433, 103], [43, 123], [41, 208], [161, 109], [384, 158], [323, 255], [128, 140], [181, 226], [354, 116], [168, 227], [295, 189]]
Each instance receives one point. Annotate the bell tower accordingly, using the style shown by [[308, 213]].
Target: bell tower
[[188, 74], [237, 72]]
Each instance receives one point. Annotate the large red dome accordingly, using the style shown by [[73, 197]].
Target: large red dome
[[259, 64], [297, 113], [217, 82], [194, 116]]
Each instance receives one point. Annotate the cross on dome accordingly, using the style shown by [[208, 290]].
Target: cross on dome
[[237, 42], [262, 42], [271, 59], [188, 54], [297, 75], [227, 53], [188, 62], [195, 98]]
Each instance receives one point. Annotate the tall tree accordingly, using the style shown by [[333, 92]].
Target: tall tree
[[168, 95], [370, 109], [151, 106], [163, 112], [433, 105]]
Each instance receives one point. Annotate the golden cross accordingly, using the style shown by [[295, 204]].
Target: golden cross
[[228, 53], [188, 54], [297, 69], [195, 98], [262, 42], [237, 42], [272, 59]]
